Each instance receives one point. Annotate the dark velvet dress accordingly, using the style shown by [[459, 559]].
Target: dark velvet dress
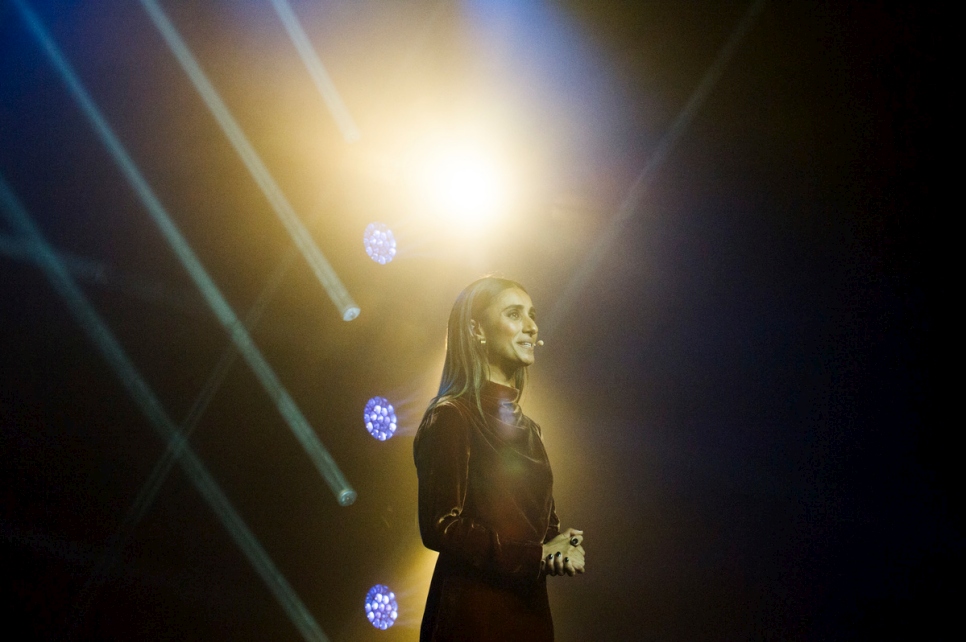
[[486, 504]]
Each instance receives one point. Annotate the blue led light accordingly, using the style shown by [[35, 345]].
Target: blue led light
[[381, 607], [380, 243], [380, 418]]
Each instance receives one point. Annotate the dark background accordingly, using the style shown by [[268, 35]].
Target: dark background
[[739, 408]]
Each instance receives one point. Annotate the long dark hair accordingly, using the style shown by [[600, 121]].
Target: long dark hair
[[466, 368]]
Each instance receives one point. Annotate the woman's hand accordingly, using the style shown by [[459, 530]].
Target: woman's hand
[[564, 554]]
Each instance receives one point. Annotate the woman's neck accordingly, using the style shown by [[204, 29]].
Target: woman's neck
[[501, 376]]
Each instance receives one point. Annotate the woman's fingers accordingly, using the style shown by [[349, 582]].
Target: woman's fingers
[[576, 536], [565, 554], [573, 565], [548, 565], [576, 560], [554, 563]]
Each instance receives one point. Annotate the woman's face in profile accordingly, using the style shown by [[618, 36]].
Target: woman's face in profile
[[510, 329]]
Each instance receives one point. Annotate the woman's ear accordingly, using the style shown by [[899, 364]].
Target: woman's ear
[[476, 330]]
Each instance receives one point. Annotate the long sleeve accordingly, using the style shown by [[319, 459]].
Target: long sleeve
[[442, 454], [553, 529]]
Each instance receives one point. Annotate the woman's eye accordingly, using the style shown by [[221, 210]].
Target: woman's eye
[[513, 314]]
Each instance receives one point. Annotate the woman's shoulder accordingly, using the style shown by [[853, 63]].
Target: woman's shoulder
[[446, 411], [446, 423]]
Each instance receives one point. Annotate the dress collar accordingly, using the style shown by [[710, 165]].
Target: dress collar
[[498, 394], [501, 408]]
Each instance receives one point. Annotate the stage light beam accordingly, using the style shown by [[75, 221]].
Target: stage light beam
[[323, 82], [287, 407], [324, 272], [665, 146], [104, 340]]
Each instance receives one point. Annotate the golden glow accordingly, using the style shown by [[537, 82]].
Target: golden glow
[[459, 182], [414, 588]]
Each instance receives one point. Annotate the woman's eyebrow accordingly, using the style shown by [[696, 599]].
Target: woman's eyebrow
[[518, 306]]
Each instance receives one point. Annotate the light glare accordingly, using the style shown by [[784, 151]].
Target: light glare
[[381, 607], [380, 418], [380, 243], [461, 183]]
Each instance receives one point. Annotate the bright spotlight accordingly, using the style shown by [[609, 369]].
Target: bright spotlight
[[463, 183], [380, 418], [380, 243], [381, 607]]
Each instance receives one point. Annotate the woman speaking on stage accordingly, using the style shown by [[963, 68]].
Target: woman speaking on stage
[[485, 485]]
